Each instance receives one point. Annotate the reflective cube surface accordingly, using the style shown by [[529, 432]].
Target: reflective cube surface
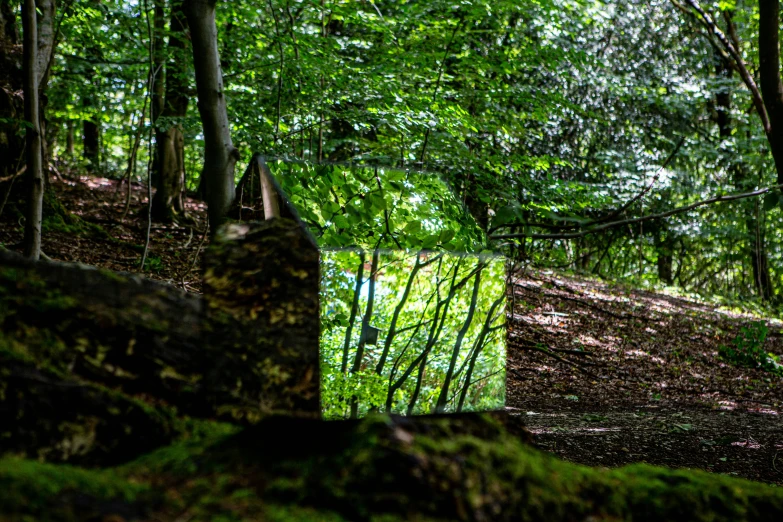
[[412, 300]]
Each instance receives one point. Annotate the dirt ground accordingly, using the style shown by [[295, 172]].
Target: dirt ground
[[639, 379], [601, 373], [174, 250]]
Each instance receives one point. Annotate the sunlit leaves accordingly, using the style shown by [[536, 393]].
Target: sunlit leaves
[[378, 207], [418, 311]]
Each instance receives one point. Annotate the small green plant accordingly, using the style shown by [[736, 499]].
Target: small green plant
[[154, 264], [747, 349]]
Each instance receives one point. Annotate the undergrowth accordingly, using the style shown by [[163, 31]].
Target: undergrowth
[[747, 349]]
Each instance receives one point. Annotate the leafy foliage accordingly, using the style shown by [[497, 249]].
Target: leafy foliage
[[378, 208], [747, 349], [440, 319]]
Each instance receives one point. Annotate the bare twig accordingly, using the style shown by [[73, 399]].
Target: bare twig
[[198, 253], [546, 351], [150, 82]]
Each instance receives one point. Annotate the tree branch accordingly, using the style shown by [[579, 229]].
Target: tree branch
[[650, 217], [709, 24]]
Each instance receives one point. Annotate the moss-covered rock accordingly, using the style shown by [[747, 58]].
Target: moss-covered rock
[[381, 469], [261, 286], [45, 492], [47, 415], [248, 348]]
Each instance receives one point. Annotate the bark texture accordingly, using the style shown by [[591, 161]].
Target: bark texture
[[220, 156], [33, 139], [247, 348], [168, 202], [262, 290]]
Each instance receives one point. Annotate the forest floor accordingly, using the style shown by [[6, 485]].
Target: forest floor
[[640, 379], [636, 377]]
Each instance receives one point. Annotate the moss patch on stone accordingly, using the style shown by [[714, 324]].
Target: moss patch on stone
[[382, 468], [37, 491]]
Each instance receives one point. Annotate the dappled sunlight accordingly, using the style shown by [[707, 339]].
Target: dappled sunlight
[[612, 349], [96, 183], [747, 444]]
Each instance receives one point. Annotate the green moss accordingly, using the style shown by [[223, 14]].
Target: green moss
[[442, 469], [458, 475], [184, 458], [35, 489], [113, 276], [66, 223]]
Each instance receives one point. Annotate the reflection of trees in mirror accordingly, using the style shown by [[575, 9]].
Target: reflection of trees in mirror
[[440, 318], [373, 207]]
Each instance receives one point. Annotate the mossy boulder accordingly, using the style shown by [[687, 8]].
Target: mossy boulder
[[381, 468], [47, 415]]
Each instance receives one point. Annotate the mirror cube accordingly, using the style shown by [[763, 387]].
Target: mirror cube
[[412, 299]]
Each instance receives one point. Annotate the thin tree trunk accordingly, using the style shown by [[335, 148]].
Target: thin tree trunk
[[91, 130], [758, 255], [69, 140], [169, 202], [158, 77], [220, 155], [354, 312], [444, 392], [46, 10], [478, 347], [32, 233], [357, 362], [664, 246], [91, 135], [158, 57]]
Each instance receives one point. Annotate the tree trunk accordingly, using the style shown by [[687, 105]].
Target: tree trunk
[[11, 102], [158, 58], [91, 135], [664, 246], [69, 140], [168, 202], [158, 79], [220, 156], [770, 81], [762, 281], [34, 215], [359, 358]]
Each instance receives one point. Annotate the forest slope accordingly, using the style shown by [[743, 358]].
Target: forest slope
[[640, 378], [467, 467]]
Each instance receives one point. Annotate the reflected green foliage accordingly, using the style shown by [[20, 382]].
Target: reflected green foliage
[[373, 207], [439, 320]]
